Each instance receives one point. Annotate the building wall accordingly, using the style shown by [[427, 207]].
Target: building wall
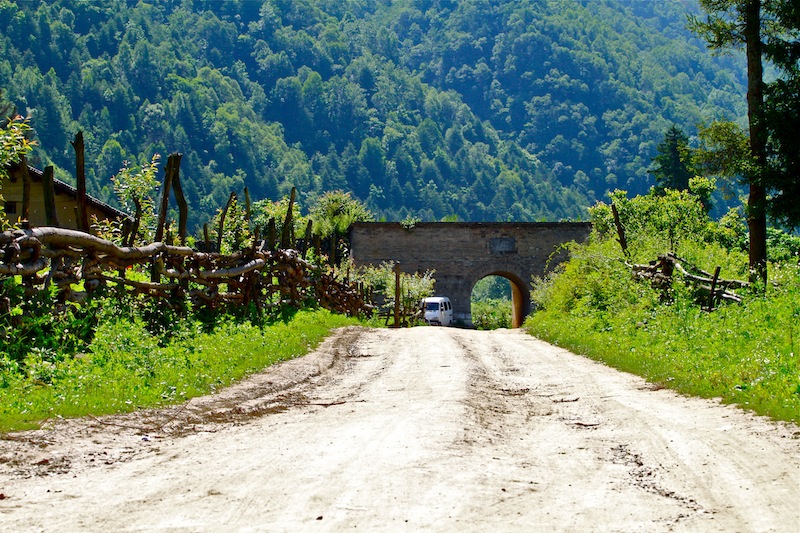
[[66, 205], [463, 253]]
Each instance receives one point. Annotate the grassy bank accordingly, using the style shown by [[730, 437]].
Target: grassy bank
[[747, 354], [126, 367]]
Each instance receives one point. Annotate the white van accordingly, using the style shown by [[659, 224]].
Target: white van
[[437, 310]]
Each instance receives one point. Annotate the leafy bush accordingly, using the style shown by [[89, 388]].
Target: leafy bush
[[491, 314], [745, 354], [135, 187], [264, 210], [25, 327], [675, 221], [382, 280], [782, 246]]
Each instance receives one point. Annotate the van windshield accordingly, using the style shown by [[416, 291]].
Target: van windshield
[[432, 306]]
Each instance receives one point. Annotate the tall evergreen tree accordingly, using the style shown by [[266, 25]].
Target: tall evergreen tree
[[783, 120], [671, 165], [768, 29], [782, 103], [735, 24]]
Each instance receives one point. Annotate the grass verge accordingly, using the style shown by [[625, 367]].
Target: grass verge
[[743, 354], [126, 367], [746, 354]]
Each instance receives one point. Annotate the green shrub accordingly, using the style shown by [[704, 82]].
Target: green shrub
[[745, 354], [126, 366], [491, 314], [30, 325]]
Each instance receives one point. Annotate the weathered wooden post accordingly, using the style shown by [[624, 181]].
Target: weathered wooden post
[[272, 239], [713, 288], [169, 171], [286, 233], [127, 226], [397, 295], [155, 271], [222, 216], [51, 216], [174, 163], [247, 204], [137, 219], [206, 238], [80, 177], [623, 242], [306, 239]]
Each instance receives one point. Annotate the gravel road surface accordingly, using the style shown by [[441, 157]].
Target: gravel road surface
[[421, 429]]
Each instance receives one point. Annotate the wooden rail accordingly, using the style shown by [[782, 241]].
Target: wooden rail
[[79, 264]]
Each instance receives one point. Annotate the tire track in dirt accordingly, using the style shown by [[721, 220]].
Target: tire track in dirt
[[432, 429], [705, 466]]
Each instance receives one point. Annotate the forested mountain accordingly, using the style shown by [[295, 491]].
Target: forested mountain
[[479, 109]]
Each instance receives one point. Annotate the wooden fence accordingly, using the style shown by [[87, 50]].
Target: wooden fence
[[269, 274], [267, 279]]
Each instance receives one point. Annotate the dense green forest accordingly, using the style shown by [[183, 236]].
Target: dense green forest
[[475, 109]]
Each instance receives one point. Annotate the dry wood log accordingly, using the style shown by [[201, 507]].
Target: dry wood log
[[63, 237], [139, 285], [660, 274], [255, 264], [24, 269]]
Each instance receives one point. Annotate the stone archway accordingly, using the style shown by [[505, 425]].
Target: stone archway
[[461, 253], [520, 296]]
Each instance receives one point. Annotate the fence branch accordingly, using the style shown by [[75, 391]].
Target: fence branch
[[268, 279]]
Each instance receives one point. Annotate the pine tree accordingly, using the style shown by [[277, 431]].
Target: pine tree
[[782, 103], [671, 168], [735, 24]]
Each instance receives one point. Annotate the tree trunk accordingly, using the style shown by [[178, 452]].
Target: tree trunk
[[756, 203]]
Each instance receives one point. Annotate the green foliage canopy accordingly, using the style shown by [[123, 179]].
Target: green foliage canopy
[[479, 110]]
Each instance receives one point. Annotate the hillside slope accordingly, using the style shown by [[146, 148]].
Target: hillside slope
[[482, 110]]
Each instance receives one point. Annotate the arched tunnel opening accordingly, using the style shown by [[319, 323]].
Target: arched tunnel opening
[[499, 300]]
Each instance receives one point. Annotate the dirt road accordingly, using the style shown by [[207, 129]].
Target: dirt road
[[424, 429]]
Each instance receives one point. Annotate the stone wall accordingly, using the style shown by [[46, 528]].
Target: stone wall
[[462, 253]]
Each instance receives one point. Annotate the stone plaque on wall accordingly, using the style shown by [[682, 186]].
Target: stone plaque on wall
[[503, 245]]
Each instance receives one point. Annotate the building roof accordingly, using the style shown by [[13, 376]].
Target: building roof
[[65, 188]]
